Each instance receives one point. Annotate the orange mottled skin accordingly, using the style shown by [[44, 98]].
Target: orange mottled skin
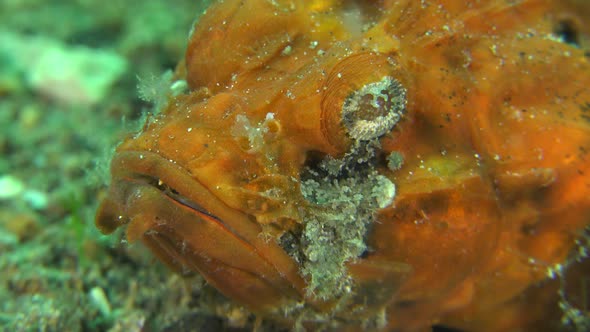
[[495, 184]]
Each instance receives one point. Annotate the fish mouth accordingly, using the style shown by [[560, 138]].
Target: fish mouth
[[138, 173], [174, 195], [156, 200]]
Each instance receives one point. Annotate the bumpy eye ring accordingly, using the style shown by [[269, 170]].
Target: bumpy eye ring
[[361, 101]]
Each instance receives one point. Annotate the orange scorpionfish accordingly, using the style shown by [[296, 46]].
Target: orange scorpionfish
[[383, 165]]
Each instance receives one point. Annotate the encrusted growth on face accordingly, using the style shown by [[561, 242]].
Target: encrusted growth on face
[[345, 193]]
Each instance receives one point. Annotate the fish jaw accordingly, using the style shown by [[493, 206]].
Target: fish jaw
[[190, 230]]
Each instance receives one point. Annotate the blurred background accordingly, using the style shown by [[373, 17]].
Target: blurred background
[[69, 71]]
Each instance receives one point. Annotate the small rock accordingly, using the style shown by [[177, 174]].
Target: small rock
[[10, 187], [99, 299], [75, 75], [20, 226], [36, 199]]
